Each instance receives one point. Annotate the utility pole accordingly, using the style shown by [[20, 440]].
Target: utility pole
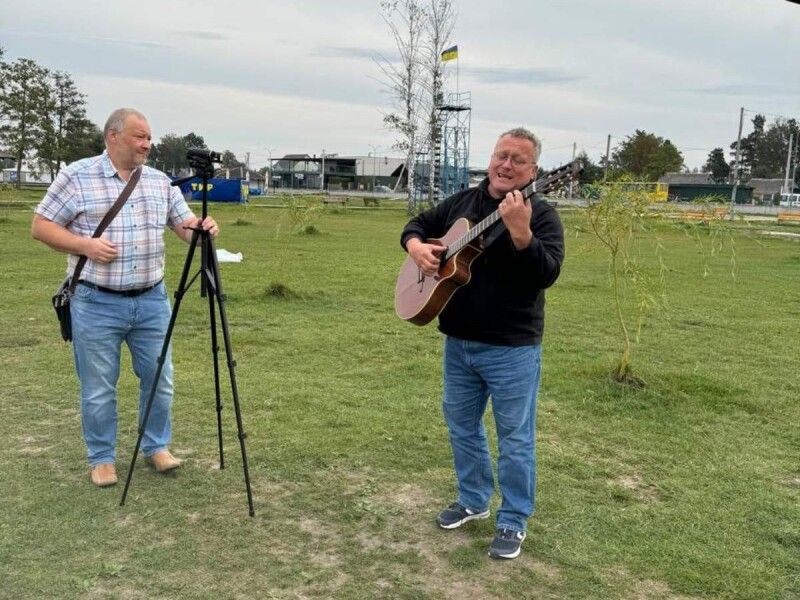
[[737, 171], [786, 189], [247, 166], [268, 174], [374, 152], [322, 173], [608, 151], [574, 145]]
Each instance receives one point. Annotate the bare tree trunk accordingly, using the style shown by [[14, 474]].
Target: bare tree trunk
[[440, 27], [405, 79]]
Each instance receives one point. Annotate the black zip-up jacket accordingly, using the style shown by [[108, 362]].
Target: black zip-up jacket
[[503, 304]]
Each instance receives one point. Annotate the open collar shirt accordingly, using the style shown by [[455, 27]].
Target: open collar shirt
[[83, 193]]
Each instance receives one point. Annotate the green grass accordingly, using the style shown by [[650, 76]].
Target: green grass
[[688, 488]]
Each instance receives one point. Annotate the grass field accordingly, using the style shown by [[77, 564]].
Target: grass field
[[688, 488]]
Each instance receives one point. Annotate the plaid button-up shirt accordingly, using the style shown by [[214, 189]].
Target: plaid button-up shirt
[[82, 194]]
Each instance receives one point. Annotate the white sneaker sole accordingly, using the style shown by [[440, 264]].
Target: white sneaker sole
[[506, 556], [514, 554], [482, 515]]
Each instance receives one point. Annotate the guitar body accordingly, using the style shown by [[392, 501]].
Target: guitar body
[[420, 299]]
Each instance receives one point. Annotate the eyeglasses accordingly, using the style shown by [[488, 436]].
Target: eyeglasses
[[516, 160]]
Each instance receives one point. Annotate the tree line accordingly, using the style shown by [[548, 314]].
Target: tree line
[[43, 115], [646, 156], [43, 120]]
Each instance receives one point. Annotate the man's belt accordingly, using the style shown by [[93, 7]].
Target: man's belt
[[126, 293]]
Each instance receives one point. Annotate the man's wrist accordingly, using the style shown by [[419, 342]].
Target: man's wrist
[[523, 239]]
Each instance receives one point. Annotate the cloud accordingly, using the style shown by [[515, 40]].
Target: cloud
[[749, 89], [521, 76], [86, 40], [202, 35], [347, 52]]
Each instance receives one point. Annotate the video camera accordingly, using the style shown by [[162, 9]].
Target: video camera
[[202, 161], [202, 156]]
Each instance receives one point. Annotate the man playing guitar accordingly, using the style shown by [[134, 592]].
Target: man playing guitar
[[493, 329]]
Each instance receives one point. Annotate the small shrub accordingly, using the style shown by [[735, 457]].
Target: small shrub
[[302, 216], [280, 292]]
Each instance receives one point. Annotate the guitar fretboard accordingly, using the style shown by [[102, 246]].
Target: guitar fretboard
[[541, 186]]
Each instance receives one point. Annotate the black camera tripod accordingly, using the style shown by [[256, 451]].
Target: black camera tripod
[[211, 286]]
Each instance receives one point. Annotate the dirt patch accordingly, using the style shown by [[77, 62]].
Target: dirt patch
[[646, 589], [273, 491], [31, 445], [115, 592], [541, 568], [459, 590], [791, 481], [638, 487], [407, 497]]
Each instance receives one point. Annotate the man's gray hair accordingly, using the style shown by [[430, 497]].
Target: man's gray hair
[[521, 132], [116, 120]]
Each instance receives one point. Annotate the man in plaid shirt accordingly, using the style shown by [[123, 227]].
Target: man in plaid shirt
[[120, 296]]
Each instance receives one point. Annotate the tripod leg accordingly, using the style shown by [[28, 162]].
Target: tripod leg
[[216, 285], [161, 358], [208, 282]]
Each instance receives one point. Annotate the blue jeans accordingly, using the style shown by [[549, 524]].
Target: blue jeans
[[101, 322], [472, 372]]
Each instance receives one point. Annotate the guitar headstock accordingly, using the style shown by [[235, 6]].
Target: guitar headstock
[[554, 179]]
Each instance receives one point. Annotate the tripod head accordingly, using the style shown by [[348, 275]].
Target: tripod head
[[202, 161]]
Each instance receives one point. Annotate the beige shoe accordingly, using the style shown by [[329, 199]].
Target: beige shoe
[[163, 461], [104, 475]]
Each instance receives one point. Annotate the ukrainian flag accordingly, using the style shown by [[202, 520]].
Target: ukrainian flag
[[450, 54]]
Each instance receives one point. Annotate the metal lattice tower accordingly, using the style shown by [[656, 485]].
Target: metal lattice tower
[[450, 160], [453, 163]]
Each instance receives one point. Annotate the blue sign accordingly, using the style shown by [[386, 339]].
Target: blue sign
[[219, 190]]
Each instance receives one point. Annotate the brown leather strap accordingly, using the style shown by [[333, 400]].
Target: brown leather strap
[[109, 216]]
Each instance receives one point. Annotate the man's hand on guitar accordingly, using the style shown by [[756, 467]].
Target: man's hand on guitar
[[425, 256], [515, 210]]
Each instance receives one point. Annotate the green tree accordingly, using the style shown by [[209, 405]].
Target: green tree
[[716, 165], [169, 154], [774, 147], [85, 139], [646, 155], [764, 150], [25, 99], [591, 172], [65, 124], [749, 149], [229, 160], [617, 218], [192, 140]]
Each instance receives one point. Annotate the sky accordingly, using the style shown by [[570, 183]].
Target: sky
[[272, 78]]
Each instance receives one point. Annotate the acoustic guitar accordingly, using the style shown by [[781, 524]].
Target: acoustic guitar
[[419, 298]]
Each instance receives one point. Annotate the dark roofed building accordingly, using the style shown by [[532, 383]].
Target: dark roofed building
[[686, 178]]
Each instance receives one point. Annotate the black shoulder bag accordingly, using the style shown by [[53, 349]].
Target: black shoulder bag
[[67, 288]]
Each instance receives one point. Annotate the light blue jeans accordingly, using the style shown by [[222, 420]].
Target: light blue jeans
[[473, 371], [101, 322]]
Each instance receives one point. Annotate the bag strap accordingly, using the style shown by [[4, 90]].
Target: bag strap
[[109, 216]]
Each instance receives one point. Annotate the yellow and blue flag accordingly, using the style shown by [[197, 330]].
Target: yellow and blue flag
[[450, 53]]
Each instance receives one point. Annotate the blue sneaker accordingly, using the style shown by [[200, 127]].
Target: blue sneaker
[[456, 515], [507, 543]]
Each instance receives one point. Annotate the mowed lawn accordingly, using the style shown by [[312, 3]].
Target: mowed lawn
[[688, 488]]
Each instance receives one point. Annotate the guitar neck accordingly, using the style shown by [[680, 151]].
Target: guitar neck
[[528, 191]]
